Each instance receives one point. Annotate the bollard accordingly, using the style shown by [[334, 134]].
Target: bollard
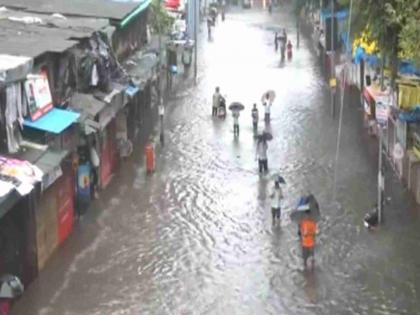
[[150, 158]]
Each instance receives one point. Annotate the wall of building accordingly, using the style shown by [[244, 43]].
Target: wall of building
[[132, 37]]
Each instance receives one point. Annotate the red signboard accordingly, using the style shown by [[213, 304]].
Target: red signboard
[[38, 95], [65, 204]]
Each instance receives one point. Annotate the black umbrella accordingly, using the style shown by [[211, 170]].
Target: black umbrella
[[278, 178], [266, 136], [236, 106], [307, 204]]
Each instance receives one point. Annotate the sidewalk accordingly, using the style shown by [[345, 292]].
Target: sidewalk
[[400, 205]]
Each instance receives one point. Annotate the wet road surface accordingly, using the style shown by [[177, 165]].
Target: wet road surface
[[196, 237]]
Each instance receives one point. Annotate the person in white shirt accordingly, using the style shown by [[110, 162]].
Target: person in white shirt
[[261, 154], [267, 108], [161, 110], [276, 197], [216, 101]]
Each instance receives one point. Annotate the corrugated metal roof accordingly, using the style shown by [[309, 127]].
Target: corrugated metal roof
[[51, 34], [111, 9], [86, 104]]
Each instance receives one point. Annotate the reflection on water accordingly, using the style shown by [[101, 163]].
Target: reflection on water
[[196, 237]]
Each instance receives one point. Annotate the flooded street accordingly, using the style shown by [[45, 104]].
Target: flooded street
[[196, 237]]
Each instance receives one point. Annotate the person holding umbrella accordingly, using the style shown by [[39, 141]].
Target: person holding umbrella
[[267, 100], [307, 233], [235, 114], [306, 215], [236, 107]]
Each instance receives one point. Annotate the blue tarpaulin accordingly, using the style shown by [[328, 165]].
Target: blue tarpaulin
[[407, 67], [359, 54], [346, 42], [131, 90], [55, 121], [340, 15]]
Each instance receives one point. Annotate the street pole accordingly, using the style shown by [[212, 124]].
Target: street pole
[[332, 58], [381, 179], [197, 20]]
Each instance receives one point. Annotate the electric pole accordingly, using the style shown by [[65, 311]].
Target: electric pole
[[333, 82], [196, 21]]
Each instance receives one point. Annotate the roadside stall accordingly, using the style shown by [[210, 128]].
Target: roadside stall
[[19, 187]]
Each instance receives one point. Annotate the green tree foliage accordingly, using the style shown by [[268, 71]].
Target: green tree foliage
[[394, 24], [409, 36], [159, 19]]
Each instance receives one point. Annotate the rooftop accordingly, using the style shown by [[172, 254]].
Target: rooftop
[[110, 9], [30, 34]]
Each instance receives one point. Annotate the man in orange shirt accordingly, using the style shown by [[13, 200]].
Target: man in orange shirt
[[307, 233]]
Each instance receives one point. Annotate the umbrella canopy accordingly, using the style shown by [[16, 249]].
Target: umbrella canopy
[[236, 106], [271, 96], [306, 203], [10, 287], [266, 136], [278, 178]]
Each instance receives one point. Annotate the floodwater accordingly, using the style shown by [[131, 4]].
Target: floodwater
[[196, 237]]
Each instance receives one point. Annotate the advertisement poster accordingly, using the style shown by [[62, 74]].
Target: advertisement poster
[[38, 95], [83, 181]]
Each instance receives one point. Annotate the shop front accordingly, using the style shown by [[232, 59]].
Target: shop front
[[19, 188], [109, 153], [53, 130], [55, 214]]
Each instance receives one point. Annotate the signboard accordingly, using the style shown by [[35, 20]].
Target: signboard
[[366, 106], [382, 112], [38, 95], [83, 181]]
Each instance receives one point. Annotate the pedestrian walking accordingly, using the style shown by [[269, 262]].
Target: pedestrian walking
[[209, 26], [267, 108], [289, 50], [276, 42], [307, 232], [283, 42], [95, 162], [276, 197], [255, 117], [261, 155], [161, 110], [216, 101], [235, 115]]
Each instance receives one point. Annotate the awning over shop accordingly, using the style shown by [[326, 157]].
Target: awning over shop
[[340, 15], [50, 164], [55, 121], [13, 68], [143, 4], [19, 175], [87, 105]]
